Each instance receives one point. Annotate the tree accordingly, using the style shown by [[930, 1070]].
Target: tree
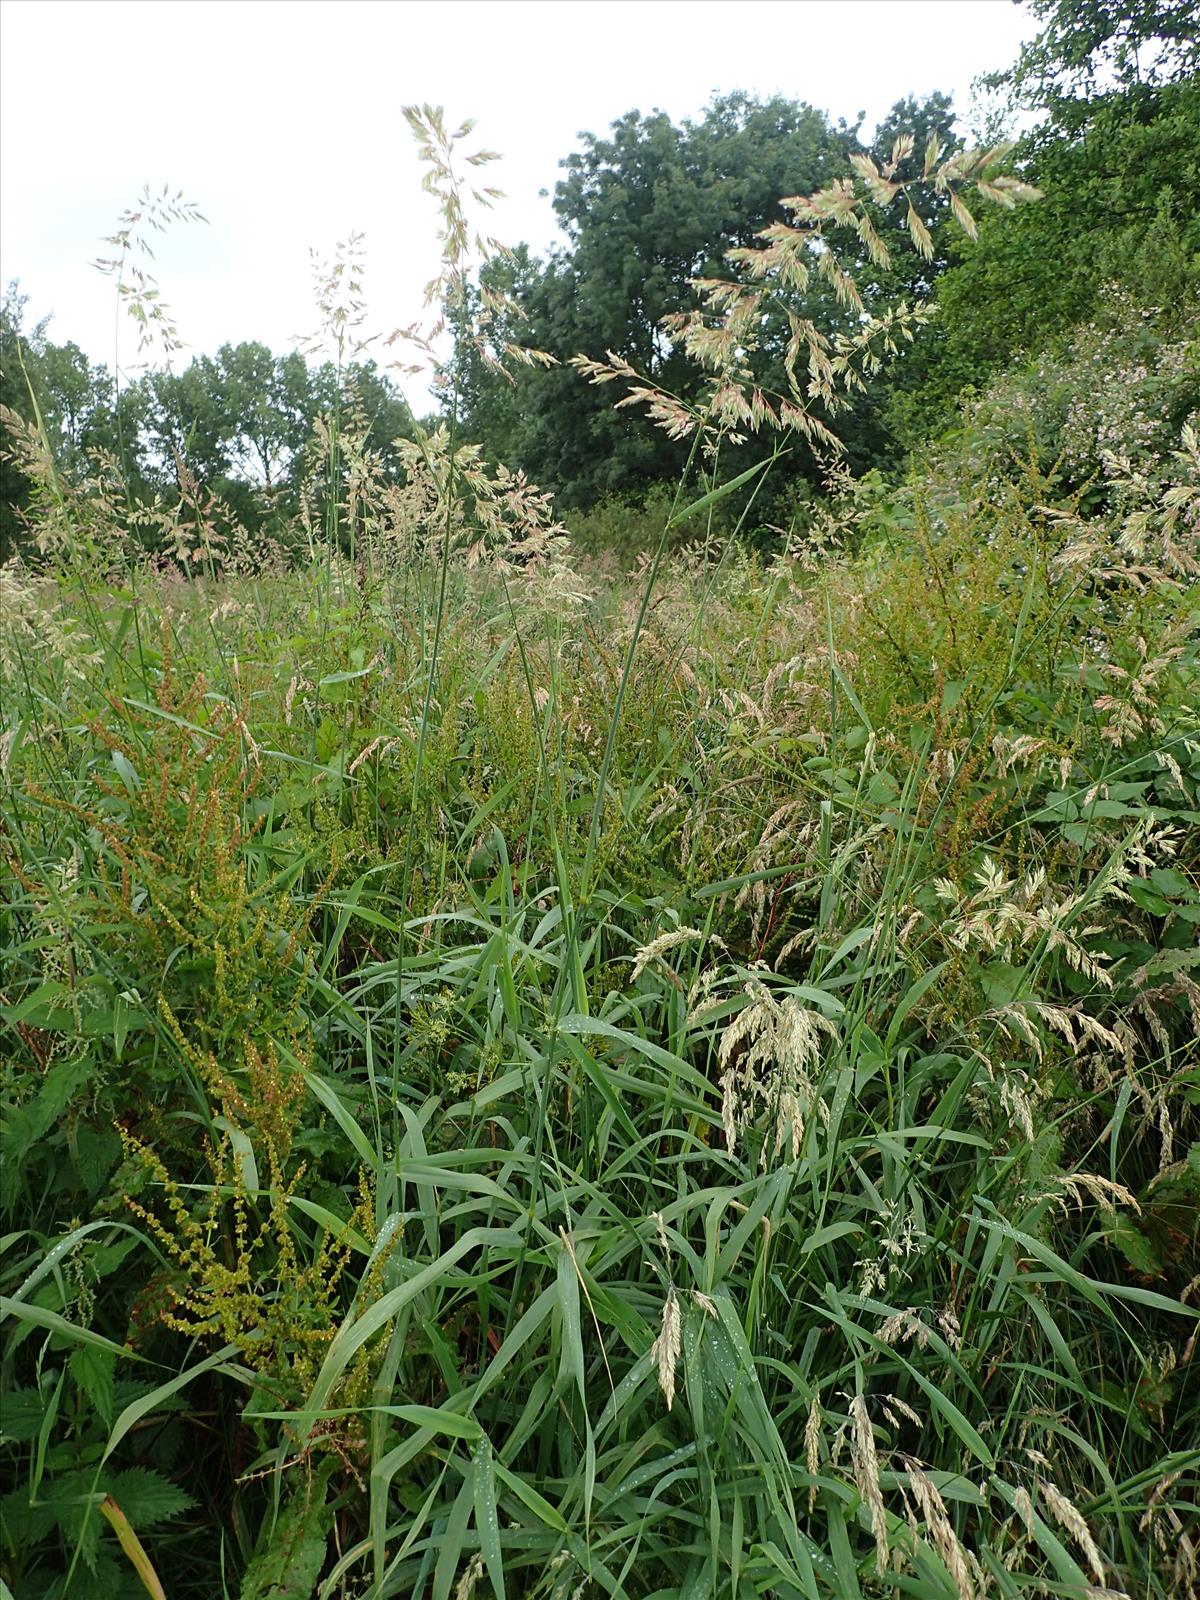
[[388, 414], [238, 423], [72, 398], [644, 210], [1118, 159], [1086, 42], [267, 403], [241, 422], [18, 351]]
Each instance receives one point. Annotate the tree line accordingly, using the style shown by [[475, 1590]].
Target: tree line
[[239, 422], [1116, 152], [653, 205]]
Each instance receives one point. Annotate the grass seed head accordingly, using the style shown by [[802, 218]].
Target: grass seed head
[[666, 1348]]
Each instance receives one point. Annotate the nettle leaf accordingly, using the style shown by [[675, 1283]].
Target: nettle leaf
[[95, 1152], [70, 1496], [1135, 1247], [24, 1523], [289, 1562], [21, 1416], [127, 1390], [147, 1497], [63, 1083], [41, 1009], [92, 1370], [108, 1578]]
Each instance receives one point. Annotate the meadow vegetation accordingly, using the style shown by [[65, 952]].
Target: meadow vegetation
[[646, 1054]]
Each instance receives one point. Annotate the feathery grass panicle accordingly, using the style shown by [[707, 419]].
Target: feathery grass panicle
[[1068, 1517], [864, 1459], [768, 1053], [666, 1348], [937, 1521]]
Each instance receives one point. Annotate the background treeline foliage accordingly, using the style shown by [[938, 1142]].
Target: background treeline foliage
[[651, 206], [644, 212], [240, 422]]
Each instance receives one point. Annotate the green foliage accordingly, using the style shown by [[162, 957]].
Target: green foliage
[[1148, 41], [622, 530], [59, 1426], [646, 211], [74, 400], [841, 1097], [682, 1085], [290, 1563], [239, 423], [1119, 173]]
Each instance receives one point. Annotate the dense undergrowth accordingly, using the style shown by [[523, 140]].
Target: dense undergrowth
[[531, 1078], [459, 1138]]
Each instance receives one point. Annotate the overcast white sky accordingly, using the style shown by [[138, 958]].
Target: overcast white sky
[[282, 120]]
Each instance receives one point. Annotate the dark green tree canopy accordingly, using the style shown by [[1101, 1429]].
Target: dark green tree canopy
[[1088, 45], [1117, 155], [75, 399], [644, 210], [654, 205]]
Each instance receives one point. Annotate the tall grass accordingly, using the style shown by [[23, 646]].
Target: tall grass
[[526, 1082]]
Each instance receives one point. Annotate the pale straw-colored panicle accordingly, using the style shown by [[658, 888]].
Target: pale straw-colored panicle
[[704, 997], [864, 1460], [950, 1327], [941, 1529], [1016, 1102], [769, 1052], [671, 940], [467, 1584], [1106, 1193], [33, 620], [1023, 1506], [661, 1229], [1166, 1529], [894, 1409], [902, 1326], [666, 1348], [1015, 752], [803, 940], [1068, 1516], [812, 1447], [380, 747]]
